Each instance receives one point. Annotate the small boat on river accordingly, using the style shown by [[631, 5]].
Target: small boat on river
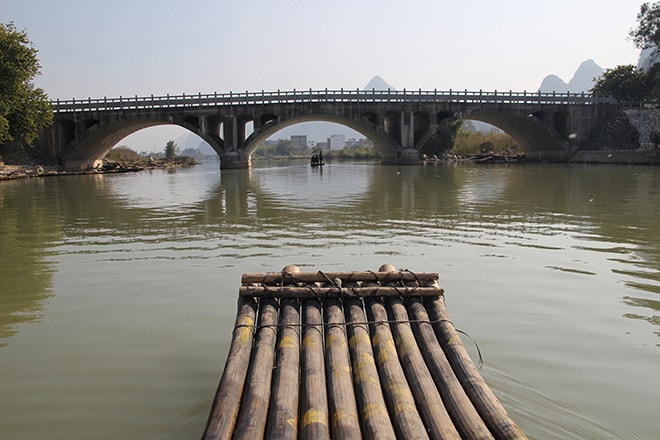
[[317, 160], [350, 355]]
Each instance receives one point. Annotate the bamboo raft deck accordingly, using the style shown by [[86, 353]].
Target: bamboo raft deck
[[350, 355]]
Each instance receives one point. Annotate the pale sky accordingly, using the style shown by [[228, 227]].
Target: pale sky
[[97, 48]]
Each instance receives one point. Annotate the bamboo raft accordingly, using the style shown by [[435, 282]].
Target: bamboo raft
[[350, 355]]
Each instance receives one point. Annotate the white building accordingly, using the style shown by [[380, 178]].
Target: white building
[[299, 140], [337, 141]]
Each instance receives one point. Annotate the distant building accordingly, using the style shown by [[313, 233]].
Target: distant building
[[299, 140], [351, 143], [337, 141]]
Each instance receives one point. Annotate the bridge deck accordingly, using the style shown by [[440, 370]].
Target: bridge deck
[[323, 96], [350, 355]]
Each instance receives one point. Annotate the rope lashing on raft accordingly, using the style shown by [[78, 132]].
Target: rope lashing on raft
[[255, 327]]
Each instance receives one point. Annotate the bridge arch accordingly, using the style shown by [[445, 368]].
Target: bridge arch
[[366, 126], [531, 131], [421, 128], [98, 140], [551, 126]]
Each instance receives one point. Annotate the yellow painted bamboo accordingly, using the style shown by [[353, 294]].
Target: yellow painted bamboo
[[375, 420], [465, 417], [254, 407], [283, 411], [314, 399], [224, 410], [398, 397], [344, 421], [428, 399], [400, 372], [489, 407]]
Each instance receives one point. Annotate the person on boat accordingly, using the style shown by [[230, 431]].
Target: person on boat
[[321, 157]]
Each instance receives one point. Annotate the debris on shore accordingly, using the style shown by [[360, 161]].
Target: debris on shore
[[483, 158], [11, 172]]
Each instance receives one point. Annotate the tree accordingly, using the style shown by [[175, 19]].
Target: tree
[[653, 82], [122, 153], [624, 83], [469, 142], [171, 150], [24, 108], [647, 33], [285, 148]]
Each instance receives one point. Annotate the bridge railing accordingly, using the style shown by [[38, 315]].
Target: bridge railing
[[322, 96]]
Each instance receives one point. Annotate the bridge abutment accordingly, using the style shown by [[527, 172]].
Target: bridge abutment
[[83, 164]]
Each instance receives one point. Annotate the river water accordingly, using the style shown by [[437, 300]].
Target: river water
[[118, 292]]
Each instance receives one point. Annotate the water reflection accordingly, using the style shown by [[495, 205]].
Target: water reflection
[[389, 210], [605, 208], [168, 190], [540, 263], [27, 229]]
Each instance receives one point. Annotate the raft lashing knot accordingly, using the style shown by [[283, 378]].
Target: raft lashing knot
[[349, 355]]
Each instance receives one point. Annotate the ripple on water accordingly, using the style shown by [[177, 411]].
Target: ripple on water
[[545, 416]]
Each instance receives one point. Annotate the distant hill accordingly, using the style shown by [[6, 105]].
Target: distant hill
[[320, 131], [378, 83], [583, 79], [553, 83]]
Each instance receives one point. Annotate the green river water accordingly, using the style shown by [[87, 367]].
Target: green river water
[[118, 292]]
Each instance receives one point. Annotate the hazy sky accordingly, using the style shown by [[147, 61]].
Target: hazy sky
[[96, 48]]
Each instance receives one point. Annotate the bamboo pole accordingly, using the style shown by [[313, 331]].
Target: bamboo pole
[[428, 399], [344, 421], [460, 408], [376, 423], [283, 411], [403, 412], [483, 398], [288, 276], [228, 396], [301, 292], [314, 400], [254, 407]]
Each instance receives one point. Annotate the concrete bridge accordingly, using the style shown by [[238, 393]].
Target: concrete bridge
[[547, 126]]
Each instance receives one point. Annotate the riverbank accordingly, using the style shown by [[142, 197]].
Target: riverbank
[[12, 172]]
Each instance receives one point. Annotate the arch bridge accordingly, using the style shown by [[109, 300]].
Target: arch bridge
[[547, 126]]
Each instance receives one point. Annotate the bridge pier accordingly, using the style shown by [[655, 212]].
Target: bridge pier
[[407, 134], [234, 161]]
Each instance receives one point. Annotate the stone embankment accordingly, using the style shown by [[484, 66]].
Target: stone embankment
[[632, 136]]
